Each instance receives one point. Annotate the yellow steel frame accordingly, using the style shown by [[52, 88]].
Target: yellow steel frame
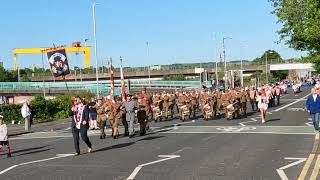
[[86, 50]]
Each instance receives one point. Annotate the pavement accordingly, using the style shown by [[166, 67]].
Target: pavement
[[285, 147], [18, 129]]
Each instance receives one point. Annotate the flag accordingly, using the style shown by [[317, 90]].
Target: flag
[[58, 61], [123, 87], [111, 78]]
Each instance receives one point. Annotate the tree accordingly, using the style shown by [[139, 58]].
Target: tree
[[8, 76], [279, 75], [273, 56], [300, 26]]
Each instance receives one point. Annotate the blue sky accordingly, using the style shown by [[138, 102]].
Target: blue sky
[[178, 31]]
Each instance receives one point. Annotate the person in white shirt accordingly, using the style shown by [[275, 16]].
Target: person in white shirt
[[26, 114], [263, 102], [4, 136]]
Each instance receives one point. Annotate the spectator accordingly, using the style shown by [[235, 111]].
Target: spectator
[[4, 136], [92, 114], [26, 114], [313, 107]]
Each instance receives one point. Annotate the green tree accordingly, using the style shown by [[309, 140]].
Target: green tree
[[300, 26], [8, 76], [273, 56], [282, 74], [173, 78]]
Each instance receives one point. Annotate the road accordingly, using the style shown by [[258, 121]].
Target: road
[[285, 147]]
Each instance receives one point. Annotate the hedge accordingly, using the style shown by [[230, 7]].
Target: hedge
[[42, 110]]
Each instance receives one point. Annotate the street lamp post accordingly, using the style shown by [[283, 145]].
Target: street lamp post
[[95, 45], [267, 80], [225, 62], [147, 43], [241, 71]]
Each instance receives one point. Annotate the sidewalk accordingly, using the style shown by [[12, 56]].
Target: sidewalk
[[17, 129]]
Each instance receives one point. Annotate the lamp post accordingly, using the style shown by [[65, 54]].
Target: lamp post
[[95, 44], [267, 80], [241, 71], [225, 62], [149, 73]]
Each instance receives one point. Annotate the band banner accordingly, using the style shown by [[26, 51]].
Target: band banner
[[58, 61]]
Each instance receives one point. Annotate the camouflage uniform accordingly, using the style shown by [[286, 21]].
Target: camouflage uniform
[[101, 118]]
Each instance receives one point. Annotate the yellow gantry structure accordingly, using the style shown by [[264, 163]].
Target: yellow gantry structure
[[86, 50]]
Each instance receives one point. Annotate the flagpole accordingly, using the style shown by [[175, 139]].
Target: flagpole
[[123, 93], [111, 78]]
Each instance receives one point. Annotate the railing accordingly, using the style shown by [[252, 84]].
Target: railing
[[104, 86]]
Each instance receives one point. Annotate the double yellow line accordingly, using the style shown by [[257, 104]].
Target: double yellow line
[[307, 165]]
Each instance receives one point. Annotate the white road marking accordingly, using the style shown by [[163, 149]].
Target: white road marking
[[64, 155], [134, 173], [58, 156], [284, 95], [208, 138], [180, 150], [281, 172], [252, 120], [189, 122], [296, 109], [290, 104], [238, 126], [291, 99], [139, 167], [235, 129], [48, 135], [309, 124]]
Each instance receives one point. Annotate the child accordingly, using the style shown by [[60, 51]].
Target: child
[[4, 136]]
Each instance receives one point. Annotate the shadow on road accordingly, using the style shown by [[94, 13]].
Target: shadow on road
[[33, 152], [270, 120], [151, 138], [118, 146], [27, 151]]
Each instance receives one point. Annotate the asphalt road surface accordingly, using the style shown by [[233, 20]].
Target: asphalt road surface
[[286, 147]]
